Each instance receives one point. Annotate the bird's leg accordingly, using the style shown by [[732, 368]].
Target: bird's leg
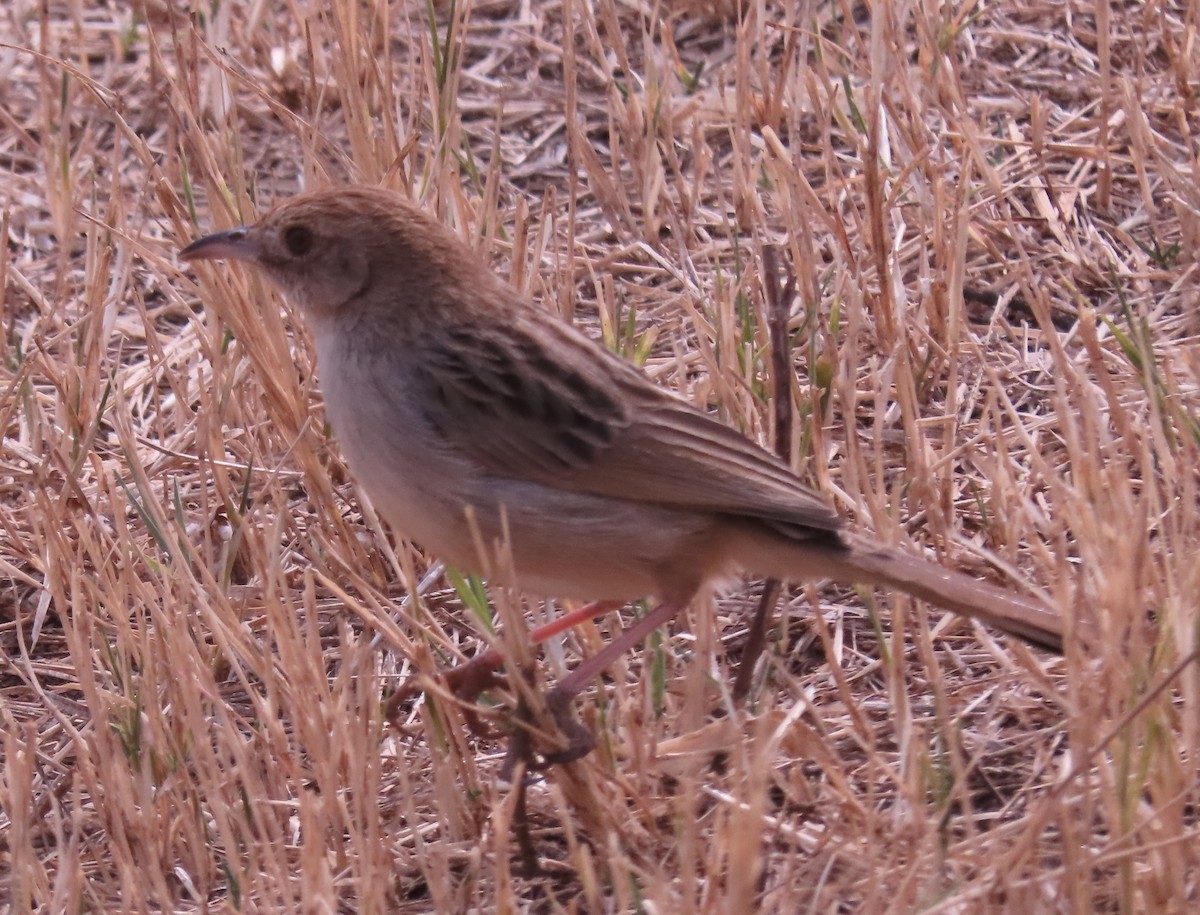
[[570, 620], [469, 679], [558, 699]]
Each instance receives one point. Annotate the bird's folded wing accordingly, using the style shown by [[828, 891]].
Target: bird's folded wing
[[560, 412], [676, 456]]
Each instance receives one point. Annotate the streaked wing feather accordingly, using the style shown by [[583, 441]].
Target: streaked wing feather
[[587, 421], [701, 463]]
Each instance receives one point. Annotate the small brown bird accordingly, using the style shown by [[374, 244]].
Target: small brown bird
[[473, 418]]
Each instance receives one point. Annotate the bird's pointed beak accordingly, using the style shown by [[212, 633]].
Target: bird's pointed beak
[[236, 244]]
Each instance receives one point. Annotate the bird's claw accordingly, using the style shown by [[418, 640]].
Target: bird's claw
[[580, 741], [470, 679], [466, 683]]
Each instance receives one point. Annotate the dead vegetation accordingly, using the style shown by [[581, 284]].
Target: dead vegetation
[[992, 214]]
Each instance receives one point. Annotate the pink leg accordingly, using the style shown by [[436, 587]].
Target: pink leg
[[558, 699], [571, 620], [469, 679], [472, 677], [491, 659], [574, 682]]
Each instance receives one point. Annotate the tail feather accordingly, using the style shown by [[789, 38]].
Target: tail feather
[[859, 560], [1020, 614]]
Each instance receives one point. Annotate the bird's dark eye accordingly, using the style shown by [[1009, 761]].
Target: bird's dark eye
[[298, 240]]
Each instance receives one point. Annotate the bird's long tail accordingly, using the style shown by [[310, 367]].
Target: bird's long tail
[[860, 561]]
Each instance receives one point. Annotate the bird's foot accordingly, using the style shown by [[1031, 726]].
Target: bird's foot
[[580, 741], [466, 683]]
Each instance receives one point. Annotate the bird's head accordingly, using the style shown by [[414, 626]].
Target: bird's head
[[344, 247]]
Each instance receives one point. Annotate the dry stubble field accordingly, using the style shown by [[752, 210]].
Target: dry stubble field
[[991, 212]]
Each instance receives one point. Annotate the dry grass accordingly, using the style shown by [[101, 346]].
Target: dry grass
[[200, 621]]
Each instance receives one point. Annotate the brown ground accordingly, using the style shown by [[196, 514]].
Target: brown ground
[[992, 214]]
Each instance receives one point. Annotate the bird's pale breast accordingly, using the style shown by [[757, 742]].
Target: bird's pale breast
[[563, 543]]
